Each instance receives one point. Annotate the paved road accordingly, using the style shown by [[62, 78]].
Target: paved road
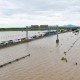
[[45, 61]]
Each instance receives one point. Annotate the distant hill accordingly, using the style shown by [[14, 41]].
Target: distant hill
[[69, 26]]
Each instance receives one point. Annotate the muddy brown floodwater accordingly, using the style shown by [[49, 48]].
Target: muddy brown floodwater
[[44, 62]]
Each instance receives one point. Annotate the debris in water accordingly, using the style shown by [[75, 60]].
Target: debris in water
[[65, 52], [76, 63], [64, 59], [28, 55]]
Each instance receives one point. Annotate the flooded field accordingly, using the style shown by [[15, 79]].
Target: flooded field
[[45, 61], [11, 35]]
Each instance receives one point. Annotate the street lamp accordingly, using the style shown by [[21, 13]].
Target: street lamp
[[57, 40]]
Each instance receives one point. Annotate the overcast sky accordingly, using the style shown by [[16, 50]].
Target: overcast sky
[[19, 13]]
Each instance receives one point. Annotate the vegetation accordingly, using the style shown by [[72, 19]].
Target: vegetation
[[62, 29], [12, 29]]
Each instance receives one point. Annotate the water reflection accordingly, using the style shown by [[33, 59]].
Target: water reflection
[[57, 44]]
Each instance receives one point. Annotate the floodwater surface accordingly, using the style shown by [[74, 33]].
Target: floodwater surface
[[45, 61], [11, 35]]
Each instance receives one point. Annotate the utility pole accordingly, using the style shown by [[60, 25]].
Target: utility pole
[[27, 32], [57, 41]]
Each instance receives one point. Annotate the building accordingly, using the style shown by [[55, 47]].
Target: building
[[44, 27], [34, 27]]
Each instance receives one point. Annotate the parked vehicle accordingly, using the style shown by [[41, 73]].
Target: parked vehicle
[[23, 39], [34, 36], [19, 40], [3, 43], [10, 41], [30, 38], [15, 41]]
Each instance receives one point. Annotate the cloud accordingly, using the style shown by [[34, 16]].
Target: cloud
[[26, 12]]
